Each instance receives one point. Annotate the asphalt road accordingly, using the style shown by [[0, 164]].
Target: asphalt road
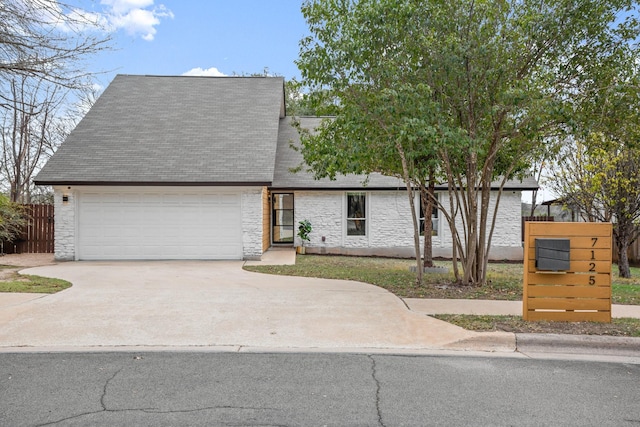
[[286, 389]]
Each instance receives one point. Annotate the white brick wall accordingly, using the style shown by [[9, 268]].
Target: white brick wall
[[390, 227], [65, 224], [324, 210], [508, 231], [252, 224]]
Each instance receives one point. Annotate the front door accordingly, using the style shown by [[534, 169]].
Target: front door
[[282, 218]]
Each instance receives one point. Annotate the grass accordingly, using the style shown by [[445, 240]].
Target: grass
[[15, 282], [504, 279], [504, 283], [625, 327]]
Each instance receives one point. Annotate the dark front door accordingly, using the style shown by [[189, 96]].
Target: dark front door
[[282, 218]]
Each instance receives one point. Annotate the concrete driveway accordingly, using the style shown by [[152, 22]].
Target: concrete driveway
[[217, 304]]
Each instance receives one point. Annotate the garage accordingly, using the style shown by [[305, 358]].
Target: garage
[[159, 224]]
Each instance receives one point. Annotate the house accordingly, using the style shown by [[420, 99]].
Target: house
[[199, 168]]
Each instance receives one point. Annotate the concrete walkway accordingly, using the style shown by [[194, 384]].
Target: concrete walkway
[[287, 256]]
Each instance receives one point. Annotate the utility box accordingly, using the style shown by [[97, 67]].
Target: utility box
[[553, 254]]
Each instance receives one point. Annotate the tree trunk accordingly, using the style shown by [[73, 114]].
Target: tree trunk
[[534, 199], [454, 242], [427, 197], [471, 212], [485, 195], [623, 259], [416, 224]]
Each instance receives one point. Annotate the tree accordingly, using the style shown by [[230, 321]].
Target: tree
[[480, 83], [382, 116], [39, 120], [29, 133], [297, 101], [43, 45], [618, 179], [600, 172], [602, 179], [12, 219], [48, 40]]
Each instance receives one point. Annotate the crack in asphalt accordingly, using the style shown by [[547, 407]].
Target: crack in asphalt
[[104, 389], [159, 411], [377, 382], [206, 408], [148, 410], [102, 403]]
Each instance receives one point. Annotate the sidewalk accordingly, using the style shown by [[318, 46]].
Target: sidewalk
[[493, 308], [548, 344]]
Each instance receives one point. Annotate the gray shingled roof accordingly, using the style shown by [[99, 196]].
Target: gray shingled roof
[[168, 130], [180, 130], [287, 159]]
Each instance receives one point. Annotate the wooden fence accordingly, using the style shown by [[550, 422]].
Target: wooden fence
[[633, 252], [37, 236], [534, 218]]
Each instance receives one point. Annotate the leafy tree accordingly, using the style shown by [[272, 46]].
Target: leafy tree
[[297, 101], [475, 86], [383, 117], [600, 173], [603, 181], [12, 219]]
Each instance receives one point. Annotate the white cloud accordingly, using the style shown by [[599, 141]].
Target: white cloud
[[136, 17], [122, 7], [209, 72]]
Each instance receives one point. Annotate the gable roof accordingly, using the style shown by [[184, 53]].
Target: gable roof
[[160, 130]]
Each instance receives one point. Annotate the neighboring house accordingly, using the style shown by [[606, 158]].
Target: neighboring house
[[199, 168], [562, 210]]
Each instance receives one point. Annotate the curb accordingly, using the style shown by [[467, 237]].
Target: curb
[[487, 342], [578, 344]]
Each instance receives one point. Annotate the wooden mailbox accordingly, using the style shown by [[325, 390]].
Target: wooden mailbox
[[575, 291]]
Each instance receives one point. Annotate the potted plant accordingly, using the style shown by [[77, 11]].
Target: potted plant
[[304, 229]]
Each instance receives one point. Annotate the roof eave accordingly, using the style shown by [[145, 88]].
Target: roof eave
[[375, 188], [156, 183]]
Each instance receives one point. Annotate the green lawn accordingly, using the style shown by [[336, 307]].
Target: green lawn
[[624, 327], [32, 284], [505, 279]]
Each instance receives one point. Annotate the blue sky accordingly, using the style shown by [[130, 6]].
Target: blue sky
[[173, 37]]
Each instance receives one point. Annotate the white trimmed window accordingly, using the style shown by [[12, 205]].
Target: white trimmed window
[[356, 214], [435, 220]]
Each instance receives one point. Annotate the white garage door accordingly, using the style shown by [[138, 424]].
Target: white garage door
[[159, 225]]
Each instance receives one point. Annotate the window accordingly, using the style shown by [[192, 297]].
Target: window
[[435, 221], [356, 214], [282, 218]]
